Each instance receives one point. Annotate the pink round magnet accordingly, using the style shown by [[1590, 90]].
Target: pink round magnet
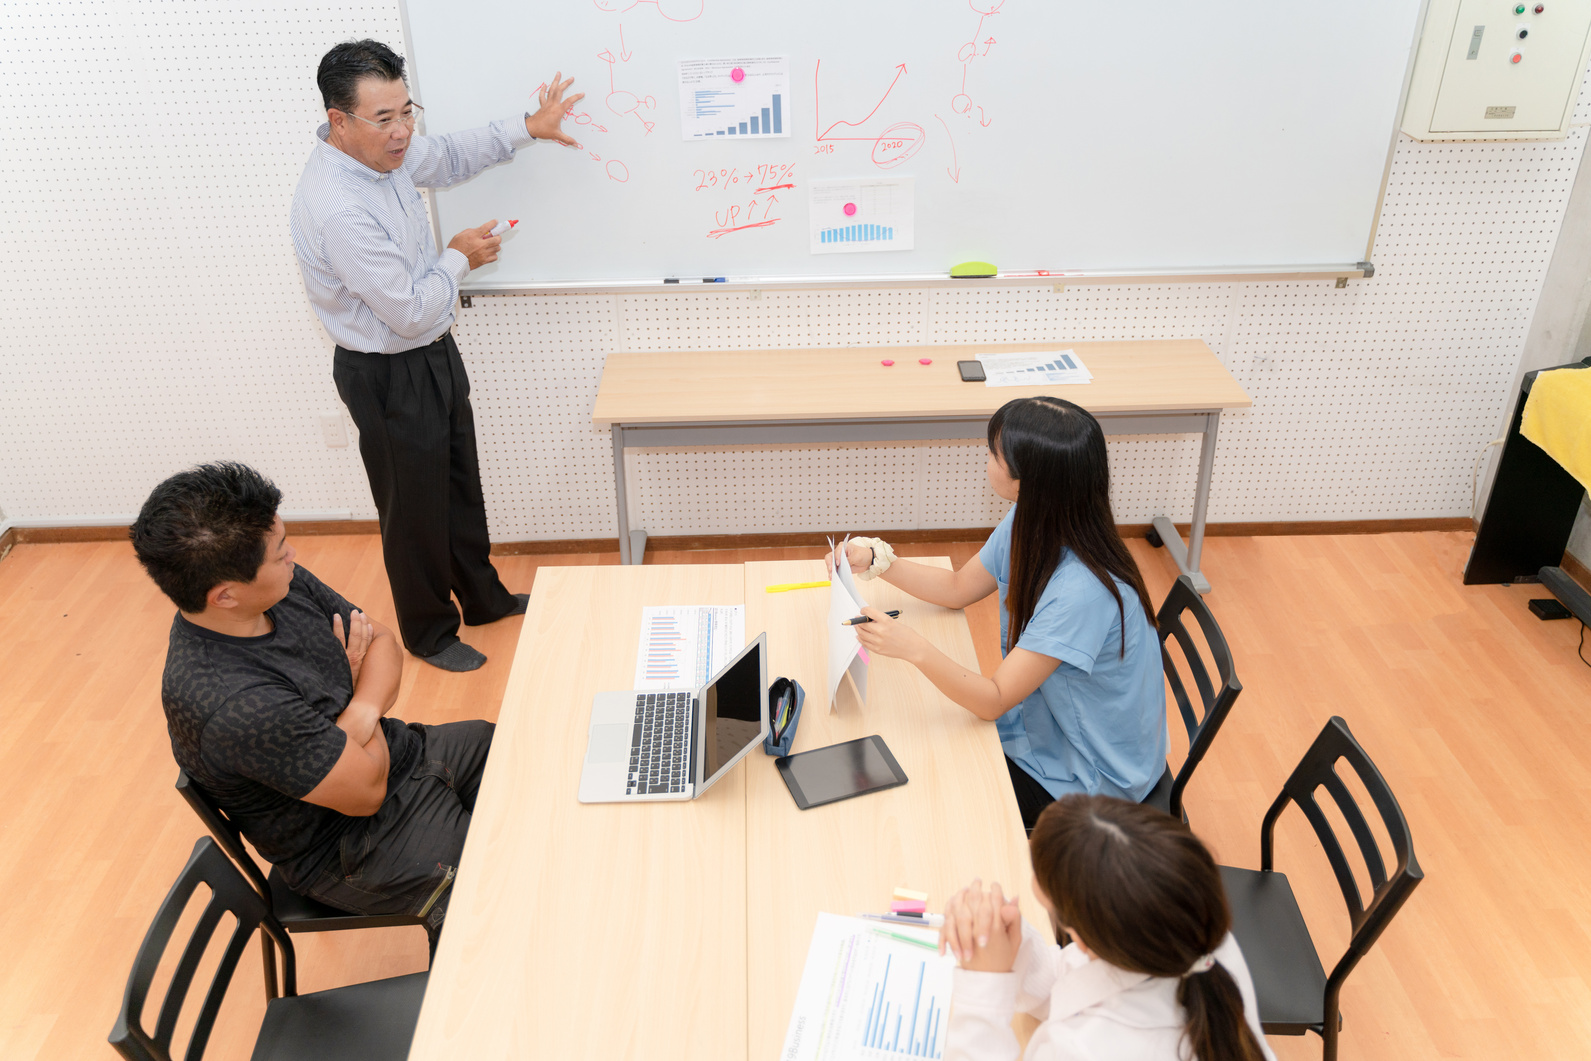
[[886, 362], [737, 75], [925, 360], [850, 209]]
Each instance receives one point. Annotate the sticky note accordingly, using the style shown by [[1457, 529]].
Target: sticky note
[[907, 893], [908, 906]]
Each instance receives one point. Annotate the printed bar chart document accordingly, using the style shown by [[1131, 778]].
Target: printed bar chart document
[[1034, 368], [850, 216], [734, 97], [867, 993], [682, 646]]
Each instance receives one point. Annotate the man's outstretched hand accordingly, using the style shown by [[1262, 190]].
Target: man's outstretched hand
[[547, 122]]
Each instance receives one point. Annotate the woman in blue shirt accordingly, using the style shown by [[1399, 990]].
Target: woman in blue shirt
[[1079, 695]]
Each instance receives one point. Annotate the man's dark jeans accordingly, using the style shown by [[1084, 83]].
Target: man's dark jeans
[[403, 858]]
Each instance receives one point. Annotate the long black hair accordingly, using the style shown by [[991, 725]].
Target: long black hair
[[1143, 893], [1056, 450]]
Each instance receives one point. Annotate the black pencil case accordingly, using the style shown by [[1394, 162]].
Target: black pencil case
[[778, 689]]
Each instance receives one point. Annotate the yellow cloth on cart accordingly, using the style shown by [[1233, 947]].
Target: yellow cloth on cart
[[1558, 419]]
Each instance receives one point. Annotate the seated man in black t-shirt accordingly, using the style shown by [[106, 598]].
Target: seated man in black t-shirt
[[275, 694]]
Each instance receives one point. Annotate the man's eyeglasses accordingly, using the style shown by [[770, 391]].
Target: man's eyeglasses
[[408, 117]]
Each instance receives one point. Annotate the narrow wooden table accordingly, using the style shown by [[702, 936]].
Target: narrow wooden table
[[679, 930], [600, 931], [737, 397], [955, 818]]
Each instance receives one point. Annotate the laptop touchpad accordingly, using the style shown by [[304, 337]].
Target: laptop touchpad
[[609, 744]]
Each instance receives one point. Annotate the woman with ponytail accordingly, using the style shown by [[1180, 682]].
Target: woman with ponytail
[[1079, 695], [1149, 972]]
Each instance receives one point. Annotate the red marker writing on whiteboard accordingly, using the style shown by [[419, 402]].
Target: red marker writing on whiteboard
[[503, 226]]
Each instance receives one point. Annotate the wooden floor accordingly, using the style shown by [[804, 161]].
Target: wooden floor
[[1475, 711]]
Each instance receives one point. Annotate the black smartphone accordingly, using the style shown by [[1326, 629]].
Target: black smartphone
[[971, 371]]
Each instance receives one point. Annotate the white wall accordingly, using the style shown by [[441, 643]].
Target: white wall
[[152, 316]]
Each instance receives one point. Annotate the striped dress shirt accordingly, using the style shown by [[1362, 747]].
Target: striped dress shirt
[[363, 238]]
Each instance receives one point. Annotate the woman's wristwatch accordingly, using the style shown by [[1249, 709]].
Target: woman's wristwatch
[[883, 556]]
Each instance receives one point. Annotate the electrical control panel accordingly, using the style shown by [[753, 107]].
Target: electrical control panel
[[1498, 69]]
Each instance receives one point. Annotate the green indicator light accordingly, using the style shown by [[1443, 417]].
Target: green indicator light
[[1519, 9]]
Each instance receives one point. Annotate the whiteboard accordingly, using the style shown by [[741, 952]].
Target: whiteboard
[[1039, 135]]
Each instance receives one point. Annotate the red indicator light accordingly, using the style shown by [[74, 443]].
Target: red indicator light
[[1516, 58], [1540, 8]]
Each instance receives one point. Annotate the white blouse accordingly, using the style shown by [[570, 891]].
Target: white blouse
[[1091, 1010]]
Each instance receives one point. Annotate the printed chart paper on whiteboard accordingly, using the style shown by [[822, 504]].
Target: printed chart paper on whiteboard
[[846, 655], [1032, 369], [865, 995], [682, 646], [852, 216], [715, 102]]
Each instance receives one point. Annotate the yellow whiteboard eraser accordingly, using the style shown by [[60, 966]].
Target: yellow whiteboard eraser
[[973, 271]]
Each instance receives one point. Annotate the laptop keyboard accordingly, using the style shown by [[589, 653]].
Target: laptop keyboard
[[660, 747]]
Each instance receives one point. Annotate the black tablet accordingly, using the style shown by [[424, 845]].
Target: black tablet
[[840, 771]]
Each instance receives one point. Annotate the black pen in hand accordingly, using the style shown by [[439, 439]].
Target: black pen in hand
[[865, 619]]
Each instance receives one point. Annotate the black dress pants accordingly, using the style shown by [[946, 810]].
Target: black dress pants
[[417, 438]]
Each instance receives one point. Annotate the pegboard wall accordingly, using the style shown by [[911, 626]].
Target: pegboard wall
[[154, 317]]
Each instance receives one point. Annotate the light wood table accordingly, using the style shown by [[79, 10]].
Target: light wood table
[[679, 930], [735, 397], [955, 818], [601, 931]]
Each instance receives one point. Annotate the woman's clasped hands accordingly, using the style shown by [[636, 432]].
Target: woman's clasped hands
[[982, 929]]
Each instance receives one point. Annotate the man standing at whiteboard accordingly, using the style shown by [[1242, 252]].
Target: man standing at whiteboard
[[386, 297]]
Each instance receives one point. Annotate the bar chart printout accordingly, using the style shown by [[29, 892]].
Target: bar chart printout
[[1032, 369], [847, 216], [682, 646], [715, 102], [866, 996]]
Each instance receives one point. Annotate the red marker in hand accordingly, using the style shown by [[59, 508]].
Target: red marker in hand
[[503, 226]]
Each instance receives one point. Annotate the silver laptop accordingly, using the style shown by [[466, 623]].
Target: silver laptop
[[674, 743]]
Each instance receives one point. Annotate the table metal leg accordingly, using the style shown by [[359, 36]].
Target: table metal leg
[[632, 543], [1187, 558]]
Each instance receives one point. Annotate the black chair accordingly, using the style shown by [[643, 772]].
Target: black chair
[[1215, 703], [1295, 995], [296, 913], [363, 1022]]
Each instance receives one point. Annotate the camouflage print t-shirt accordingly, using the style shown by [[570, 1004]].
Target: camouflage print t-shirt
[[252, 720]]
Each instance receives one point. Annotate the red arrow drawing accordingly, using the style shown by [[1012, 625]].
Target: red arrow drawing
[[956, 176], [625, 55], [900, 68], [986, 43]]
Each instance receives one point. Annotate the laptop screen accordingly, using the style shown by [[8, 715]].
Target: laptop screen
[[734, 711]]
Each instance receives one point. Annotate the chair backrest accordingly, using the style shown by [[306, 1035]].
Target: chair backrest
[[227, 834], [1203, 721], [229, 892], [1318, 770]]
